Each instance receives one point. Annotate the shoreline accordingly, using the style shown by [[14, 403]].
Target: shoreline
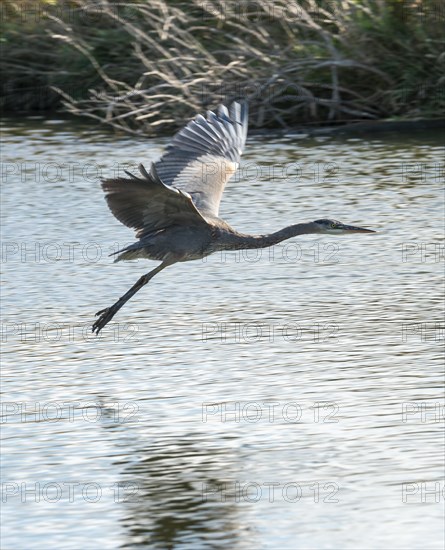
[[358, 127]]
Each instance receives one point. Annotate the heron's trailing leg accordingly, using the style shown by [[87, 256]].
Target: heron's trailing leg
[[108, 313]]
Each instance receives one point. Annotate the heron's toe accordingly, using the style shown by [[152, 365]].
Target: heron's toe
[[105, 317]]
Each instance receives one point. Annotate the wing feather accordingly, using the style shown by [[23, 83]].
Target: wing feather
[[147, 204], [205, 154], [186, 185]]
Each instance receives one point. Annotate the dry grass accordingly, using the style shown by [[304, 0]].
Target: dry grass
[[149, 65]]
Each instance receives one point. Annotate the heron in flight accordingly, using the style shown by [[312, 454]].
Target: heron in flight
[[174, 207]]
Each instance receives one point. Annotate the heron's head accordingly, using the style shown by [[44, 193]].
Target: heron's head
[[337, 228]]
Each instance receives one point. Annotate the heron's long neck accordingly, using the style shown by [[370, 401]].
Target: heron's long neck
[[239, 241]]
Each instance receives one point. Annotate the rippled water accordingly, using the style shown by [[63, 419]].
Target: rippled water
[[285, 399]]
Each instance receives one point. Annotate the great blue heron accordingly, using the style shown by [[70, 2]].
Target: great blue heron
[[174, 207]]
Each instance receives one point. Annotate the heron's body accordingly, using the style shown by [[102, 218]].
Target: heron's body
[[180, 244], [174, 207]]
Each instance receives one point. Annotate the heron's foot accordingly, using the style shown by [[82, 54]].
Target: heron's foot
[[105, 317]]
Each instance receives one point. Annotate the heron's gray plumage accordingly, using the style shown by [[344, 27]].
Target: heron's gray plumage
[[147, 204], [174, 207], [205, 154]]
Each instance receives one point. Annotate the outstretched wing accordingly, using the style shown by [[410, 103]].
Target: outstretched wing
[[147, 204], [205, 154]]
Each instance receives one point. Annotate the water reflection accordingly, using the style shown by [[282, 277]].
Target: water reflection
[[175, 502]]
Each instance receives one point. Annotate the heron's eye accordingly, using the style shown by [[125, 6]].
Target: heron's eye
[[333, 225]]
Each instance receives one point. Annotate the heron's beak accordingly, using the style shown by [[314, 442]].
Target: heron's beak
[[354, 229]]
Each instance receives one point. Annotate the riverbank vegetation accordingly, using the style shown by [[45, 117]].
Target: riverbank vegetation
[[145, 66]]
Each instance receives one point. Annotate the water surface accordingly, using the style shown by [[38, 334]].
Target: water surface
[[284, 398]]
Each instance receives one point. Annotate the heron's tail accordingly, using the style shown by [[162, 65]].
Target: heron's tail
[[131, 252]]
